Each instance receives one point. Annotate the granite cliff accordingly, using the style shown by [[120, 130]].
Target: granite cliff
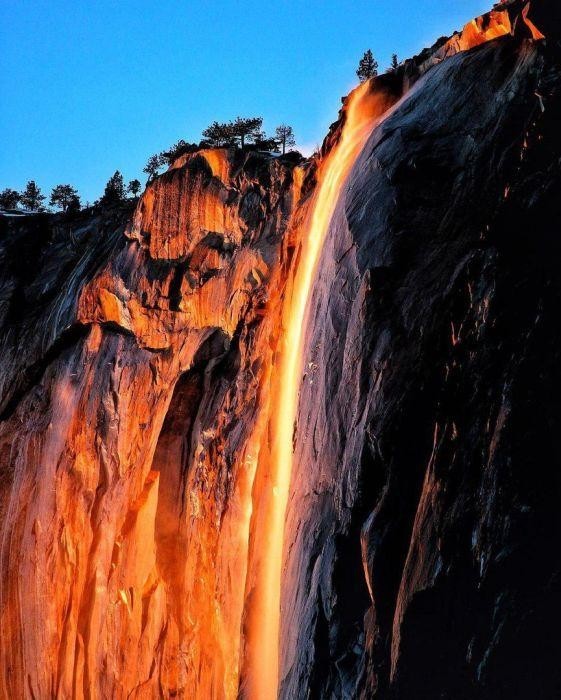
[[141, 365]]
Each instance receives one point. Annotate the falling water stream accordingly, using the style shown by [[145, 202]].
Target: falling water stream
[[363, 109]]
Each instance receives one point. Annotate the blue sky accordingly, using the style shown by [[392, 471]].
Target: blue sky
[[88, 87]]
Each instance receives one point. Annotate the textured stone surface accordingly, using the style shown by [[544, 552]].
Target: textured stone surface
[[137, 355], [132, 362], [421, 560]]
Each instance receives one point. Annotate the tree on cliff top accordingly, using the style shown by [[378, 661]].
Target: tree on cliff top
[[395, 63], [65, 197], [32, 198], [262, 142], [217, 135], [134, 187], [152, 166], [243, 128], [367, 67], [178, 149], [114, 190], [285, 137], [9, 199]]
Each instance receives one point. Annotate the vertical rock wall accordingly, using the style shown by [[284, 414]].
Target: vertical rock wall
[[128, 435], [135, 372], [422, 520]]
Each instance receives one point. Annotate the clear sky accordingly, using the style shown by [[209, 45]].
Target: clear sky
[[91, 86]]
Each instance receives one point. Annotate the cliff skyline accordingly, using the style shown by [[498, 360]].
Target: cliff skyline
[[88, 89]]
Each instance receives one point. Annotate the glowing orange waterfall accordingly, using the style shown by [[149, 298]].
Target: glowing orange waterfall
[[264, 624]]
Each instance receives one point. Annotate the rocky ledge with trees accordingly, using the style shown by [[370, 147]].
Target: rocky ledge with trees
[[245, 133]]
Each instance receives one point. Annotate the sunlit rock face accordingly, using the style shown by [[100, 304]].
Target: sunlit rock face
[[132, 364], [140, 367]]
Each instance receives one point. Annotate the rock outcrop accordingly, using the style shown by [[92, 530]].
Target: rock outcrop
[[432, 400], [138, 356], [133, 359]]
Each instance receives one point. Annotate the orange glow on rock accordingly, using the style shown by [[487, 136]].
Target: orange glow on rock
[[146, 476], [536, 34], [262, 652]]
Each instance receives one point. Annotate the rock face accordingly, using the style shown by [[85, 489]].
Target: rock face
[[432, 400], [138, 355], [132, 360]]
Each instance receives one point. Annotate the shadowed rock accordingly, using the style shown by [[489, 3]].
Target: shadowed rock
[[137, 357]]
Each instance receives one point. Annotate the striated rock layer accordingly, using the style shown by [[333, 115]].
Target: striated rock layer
[[139, 362]]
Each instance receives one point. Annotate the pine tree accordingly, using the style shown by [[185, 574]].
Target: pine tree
[[152, 166], [285, 137], [262, 142], [32, 198], [65, 197], [217, 135], [114, 190], [367, 67], [395, 63], [133, 188], [9, 199], [74, 205], [249, 127]]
